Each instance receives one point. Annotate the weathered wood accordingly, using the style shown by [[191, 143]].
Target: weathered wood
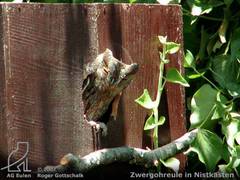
[[3, 122], [130, 31], [44, 49], [176, 108]]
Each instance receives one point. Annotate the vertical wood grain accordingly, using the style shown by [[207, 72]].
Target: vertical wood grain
[[44, 76], [3, 122], [176, 93], [46, 47]]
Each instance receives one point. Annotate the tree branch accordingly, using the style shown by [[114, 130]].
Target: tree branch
[[123, 154]]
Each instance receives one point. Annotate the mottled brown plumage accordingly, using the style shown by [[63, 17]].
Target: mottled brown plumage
[[104, 79]]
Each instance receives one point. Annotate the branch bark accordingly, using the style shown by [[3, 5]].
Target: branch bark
[[123, 154]]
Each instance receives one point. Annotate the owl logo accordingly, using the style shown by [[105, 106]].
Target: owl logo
[[19, 164]]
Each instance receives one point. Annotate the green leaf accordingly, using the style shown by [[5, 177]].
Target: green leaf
[[166, 61], [217, 46], [237, 137], [209, 147], [132, 1], [195, 76], [194, 20], [203, 105], [190, 73], [189, 60], [161, 120], [235, 45], [166, 2], [145, 100], [230, 130], [221, 108], [227, 74], [225, 153], [203, 43], [235, 157], [233, 163], [223, 28], [172, 163], [191, 35], [212, 42], [151, 124], [175, 77], [199, 7], [228, 2], [162, 39], [172, 47], [235, 115]]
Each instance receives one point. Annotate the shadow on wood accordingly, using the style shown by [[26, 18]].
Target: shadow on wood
[[43, 49]]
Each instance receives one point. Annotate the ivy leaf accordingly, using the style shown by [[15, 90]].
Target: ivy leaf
[[203, 7], [193, 20], [235, 115], [217, 46], [212, 42], [172, 163], [161, 120], [235, 45], [203, 43], [78, 1], [209, 147], [221, 108], [228, 2], [203, 105], [237, 137], [132, 1], [164, 59], [227, 74], [223, 28], [162, 39], [191, 74], [196, 10], [166, 2], [189, 60], [175, 77], [150, 123], [225, 153], [236, 155], [195, 76], [172, 47], [145, 100], [191, 36], [230, 130], [233, 163]]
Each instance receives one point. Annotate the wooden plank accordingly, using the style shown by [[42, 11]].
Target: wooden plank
[[48, 46], [44, 77], [129, 31], [3, 123], [176, 93], [131, 36]]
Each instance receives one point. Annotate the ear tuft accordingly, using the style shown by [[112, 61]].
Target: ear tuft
[[108, 52]]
